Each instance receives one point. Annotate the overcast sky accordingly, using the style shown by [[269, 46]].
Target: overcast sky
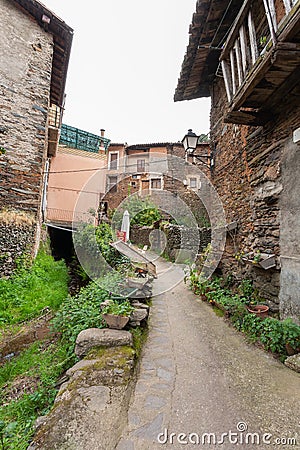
[[125, 62]]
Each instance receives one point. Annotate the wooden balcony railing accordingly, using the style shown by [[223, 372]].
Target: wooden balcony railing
[[249, 53], [54, 124]]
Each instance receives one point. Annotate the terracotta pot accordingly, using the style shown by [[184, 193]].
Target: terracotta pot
[[291, 350], [116, 322], [259, 310]]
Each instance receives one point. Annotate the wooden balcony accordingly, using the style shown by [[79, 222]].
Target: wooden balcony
[[261, 60], [54, 124]]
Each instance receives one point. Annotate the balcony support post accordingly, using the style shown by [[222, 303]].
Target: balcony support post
[[237, 49], [232, 67], [270, 13], [287, 6], [226, 79], [243, 48], [252, 37]]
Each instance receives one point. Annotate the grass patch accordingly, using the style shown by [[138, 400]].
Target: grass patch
[[28, 390], [30, 290]]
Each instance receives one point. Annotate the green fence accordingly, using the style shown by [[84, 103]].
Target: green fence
[[82, 140]]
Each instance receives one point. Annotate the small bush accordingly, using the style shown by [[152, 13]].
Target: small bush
[[83, 310], [274, 334]]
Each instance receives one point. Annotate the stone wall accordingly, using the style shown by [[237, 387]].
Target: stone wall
[[172, 238], [247, 176], [26, 56], [178, 237], [15, 242]]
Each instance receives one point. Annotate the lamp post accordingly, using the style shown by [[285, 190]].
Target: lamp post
[[189, 143]]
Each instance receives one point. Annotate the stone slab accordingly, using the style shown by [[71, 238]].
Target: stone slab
[[96, 337]]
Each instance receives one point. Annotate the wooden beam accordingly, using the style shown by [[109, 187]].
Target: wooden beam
[[232, 67], [225, 71], [238, 61], [273, 14], [244, 50], [234, 29], [247, 118], [270, 20], [287, 6], [252, 37]]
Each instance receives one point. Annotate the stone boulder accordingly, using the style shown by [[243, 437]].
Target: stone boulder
[[293, 362], [104, 337], [137, 317]]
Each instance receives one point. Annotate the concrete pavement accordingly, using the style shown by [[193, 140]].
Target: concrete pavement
[[200, 380]]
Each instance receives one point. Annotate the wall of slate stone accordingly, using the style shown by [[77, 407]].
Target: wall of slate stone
[[26, 58], [15, 242], [176, 237], [248, 178]]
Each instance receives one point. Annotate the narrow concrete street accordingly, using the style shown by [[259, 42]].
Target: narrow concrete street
[[199, 378]]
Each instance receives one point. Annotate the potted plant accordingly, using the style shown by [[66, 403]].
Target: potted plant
[[261, 311], [116, 313]]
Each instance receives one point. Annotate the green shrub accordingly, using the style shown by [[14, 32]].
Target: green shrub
[[274, 334], [95, 253], [80, 312], [119, 308], [142, 211]]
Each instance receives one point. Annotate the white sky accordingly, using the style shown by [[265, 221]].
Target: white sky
[[125, 62]]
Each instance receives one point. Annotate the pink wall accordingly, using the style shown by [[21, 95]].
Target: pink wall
[[78, 185]]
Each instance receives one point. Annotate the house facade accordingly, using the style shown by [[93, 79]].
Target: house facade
[[247, 59], [154, 169], [76, 177], [35, 51]]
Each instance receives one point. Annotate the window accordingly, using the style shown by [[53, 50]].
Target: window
[[155, 183], [113, 161], [141, 165], [193, 183], [112, 184]]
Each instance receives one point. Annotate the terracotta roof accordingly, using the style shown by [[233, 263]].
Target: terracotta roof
[[62, 37], [208, 30]]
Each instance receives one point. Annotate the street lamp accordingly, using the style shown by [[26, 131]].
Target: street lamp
[[189, 143]]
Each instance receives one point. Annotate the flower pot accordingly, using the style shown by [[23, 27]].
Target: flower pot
[[116, 322], [291, 350], [259, 310]]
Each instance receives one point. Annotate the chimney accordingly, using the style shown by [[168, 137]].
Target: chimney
[[102, 131]]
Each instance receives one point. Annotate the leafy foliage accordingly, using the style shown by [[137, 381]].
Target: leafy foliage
[[119, 308], [80, 312], [93, 247], [142, 211], [271, 332]]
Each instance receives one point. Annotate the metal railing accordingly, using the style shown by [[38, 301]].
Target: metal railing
[[67, 216], [82, 140]]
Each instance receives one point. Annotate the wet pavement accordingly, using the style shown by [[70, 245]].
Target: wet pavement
[[200, 384]]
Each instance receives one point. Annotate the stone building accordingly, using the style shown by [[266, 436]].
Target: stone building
[[247, 59], [35, 50], [148, 168]]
